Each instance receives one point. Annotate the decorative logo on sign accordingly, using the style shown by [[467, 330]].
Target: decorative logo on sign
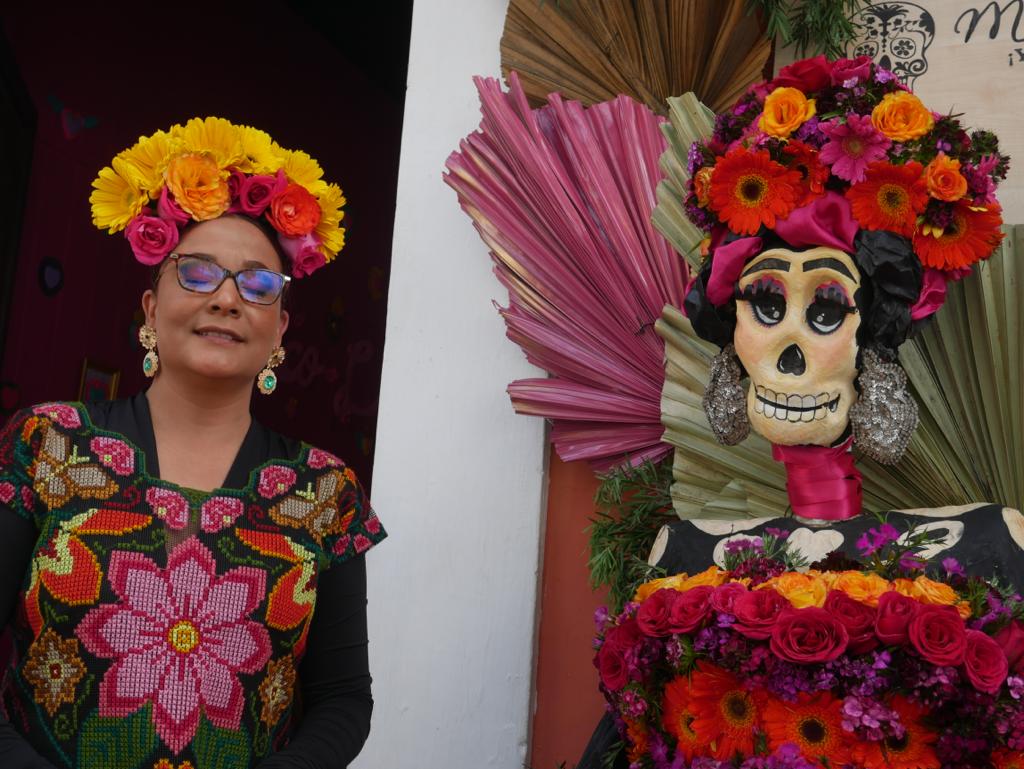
[[895, 36]]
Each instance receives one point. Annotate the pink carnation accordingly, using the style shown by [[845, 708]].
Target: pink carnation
[[305, 253], [151, 238], [852, 145]]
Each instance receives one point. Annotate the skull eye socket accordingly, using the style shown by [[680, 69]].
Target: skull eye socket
[[767, 299], [829, 309]]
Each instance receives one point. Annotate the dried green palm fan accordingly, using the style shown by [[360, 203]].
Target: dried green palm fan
[[965, 370], [648, 49]]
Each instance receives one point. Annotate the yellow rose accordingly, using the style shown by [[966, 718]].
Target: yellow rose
[[785, 110], [901, 116], [198, 185], [929, 591], [712, 576], [664, 583], [801, 590], [862, 588]]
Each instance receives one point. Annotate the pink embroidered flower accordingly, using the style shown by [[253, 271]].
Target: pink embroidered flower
[[219, 512], [168, 505], [179, 637], [7, 491], [115, 454], [319, 459], [362, 543], [275, 480], [62, 414], [28, 499], [342, 544], [373, 524], [852, 145]]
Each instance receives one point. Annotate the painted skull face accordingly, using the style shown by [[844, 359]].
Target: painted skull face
[[895, 36], [796, 335]]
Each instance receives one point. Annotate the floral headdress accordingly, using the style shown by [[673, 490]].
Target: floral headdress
[[851, 128], [210, 167]]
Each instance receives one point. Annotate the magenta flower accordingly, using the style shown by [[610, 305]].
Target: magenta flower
[[64, 415], [170, 506], [115, 454], [275, 480], [219, 512], [178, 637], [852, 145]]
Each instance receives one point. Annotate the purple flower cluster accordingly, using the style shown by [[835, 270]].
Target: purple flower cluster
[[870, 719], [873, 540]]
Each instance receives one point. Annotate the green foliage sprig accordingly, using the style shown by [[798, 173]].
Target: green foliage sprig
[[811, 26]]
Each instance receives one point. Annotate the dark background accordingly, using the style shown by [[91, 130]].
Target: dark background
[[79, 83]]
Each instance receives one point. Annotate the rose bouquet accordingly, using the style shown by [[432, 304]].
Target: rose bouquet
[[849, 663]]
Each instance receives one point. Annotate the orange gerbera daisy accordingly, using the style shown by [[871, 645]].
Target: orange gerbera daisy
[[813, 723], [914, 750], [1007, 759], [677, 717], [749, 189], [890, 197], [726, 713], [813, 173], [974, 234], [636, 733]]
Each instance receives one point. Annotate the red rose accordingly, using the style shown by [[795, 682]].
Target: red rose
[[858, 619], [807, 74], [294, 211], [846, 69], [690, 609], [724, 598], [611, 658], [895, 611], [984, 662], [756, 613], [937, 632], [1011, 641], [808, 636], [652, 617]]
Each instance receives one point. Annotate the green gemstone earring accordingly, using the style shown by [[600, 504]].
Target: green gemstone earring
[[266, 382], [151, 363]]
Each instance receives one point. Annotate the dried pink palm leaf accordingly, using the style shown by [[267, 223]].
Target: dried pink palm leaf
[[562, 196]]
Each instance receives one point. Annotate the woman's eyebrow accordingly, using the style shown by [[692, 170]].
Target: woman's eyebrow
[[828, 262], [771, 263]]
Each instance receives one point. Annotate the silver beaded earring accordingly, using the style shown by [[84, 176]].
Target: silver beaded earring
[[147, 338], [266, 381], [885, 415], [724, 401]]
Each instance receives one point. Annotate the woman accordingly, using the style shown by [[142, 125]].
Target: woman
[[161, 556]]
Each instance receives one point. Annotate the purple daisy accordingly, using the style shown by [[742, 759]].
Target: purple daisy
[[852, 145]]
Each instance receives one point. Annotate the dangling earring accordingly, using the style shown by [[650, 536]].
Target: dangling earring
[[267, 379], [885, 414], [147, 338], [724, 401]]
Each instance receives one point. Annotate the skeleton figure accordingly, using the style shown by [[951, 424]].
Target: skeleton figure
[[895, 36]]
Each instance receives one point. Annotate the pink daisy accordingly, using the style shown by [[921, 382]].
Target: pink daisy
[[852, 145]]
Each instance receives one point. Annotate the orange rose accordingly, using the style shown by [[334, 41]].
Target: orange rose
[[712, 576], [929, 591], [294, 211], [801, 590], [198, 185], [702, 185], [785, 110], [963, 608], [904, 586], [901, 116], [944, 179], [862, 588], [666, 583]]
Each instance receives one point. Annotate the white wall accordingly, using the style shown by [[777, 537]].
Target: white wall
[[458, 477]]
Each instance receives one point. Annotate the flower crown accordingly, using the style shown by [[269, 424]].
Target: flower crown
[[852, 128], [210, 167]]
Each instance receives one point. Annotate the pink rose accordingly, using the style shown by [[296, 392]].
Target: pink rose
[[807, 74], [257, 190], [219, 512], [895, 611], [305, 253], [115, 454], [151, 238], [690, 610], [858, 619], [808, 636], [938, 635], [275, 480], [1011, 641], [653, 614], [984, 662], [757, 611], [170, 506], [167, 208], [724, 598], [858, 69]]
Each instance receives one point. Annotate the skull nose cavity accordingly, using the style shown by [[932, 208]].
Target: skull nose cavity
[[792, 361]]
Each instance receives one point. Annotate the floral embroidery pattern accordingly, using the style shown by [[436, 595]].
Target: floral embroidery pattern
[[319, 459], [61, 413], [54, 670], [171, 506], [275, 480], [315, 511], [7, 491], [219, 512], [61, 473], [277, 689], [115, 454], [178, 637]]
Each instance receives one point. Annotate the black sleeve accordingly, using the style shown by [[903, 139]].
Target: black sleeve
[[334, 676], [17, 537]]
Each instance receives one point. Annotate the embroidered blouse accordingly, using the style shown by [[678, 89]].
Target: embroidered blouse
[[158, 627]]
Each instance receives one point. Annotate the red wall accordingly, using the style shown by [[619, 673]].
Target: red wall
[[141, 67]]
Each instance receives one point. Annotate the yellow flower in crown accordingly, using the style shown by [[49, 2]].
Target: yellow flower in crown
[[210, 167]]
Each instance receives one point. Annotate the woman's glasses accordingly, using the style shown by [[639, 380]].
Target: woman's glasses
[[199, 273]]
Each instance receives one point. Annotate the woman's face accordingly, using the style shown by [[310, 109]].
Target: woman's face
[[217, 335]]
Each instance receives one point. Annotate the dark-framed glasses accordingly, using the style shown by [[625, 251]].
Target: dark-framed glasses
[[200, 274]]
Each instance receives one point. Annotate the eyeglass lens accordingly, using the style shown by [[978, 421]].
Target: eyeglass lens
[[203, 276]]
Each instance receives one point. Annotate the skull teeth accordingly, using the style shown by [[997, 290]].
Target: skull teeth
[[794, 408]]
